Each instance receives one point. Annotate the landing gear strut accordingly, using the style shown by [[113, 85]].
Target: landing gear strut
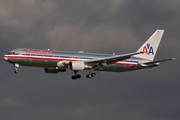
[[16, 68], [76, 76]]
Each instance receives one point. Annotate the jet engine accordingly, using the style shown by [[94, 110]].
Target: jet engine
[[53, 70], [77, 66]]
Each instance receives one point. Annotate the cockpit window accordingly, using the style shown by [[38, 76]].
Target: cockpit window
[[11, 53]]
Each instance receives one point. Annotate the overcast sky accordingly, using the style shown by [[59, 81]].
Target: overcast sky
[[103, 26]]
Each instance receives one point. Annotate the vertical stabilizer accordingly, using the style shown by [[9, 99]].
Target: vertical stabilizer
[[150, 46]]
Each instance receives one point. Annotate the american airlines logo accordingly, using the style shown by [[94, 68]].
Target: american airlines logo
[[39, 52], [148, 49]]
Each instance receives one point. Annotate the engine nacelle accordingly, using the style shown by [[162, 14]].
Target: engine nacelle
[[62, 63], [77, 66], [52, 70]]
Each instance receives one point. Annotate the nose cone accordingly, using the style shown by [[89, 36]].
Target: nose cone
[[5, 57]]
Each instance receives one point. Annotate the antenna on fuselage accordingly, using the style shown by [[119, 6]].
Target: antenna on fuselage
[[81, 51]]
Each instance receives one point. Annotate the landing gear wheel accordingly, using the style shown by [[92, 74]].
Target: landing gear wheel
[[78, 76], [74, 77], [16, 71], [88, 75], [93, 74]]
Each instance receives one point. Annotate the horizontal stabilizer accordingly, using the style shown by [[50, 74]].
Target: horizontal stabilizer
[[158, 61]]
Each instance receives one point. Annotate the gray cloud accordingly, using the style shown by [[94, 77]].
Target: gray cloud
[[94, 26], [11, 101]]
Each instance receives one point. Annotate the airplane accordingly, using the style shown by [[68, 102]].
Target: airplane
[[59, 61]]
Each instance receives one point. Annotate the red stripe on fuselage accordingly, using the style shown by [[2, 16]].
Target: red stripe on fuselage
[[38, 58], [60, 59], [126, 63]]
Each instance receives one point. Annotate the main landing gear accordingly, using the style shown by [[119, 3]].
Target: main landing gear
[[16, 68], [91, 75], [77, 76]]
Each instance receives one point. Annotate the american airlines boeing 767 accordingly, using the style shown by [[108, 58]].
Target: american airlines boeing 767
[[59, 61]]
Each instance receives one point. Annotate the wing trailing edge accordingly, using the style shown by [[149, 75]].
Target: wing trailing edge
[[112, 59]]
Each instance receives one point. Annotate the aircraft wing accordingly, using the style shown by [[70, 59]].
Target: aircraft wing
[[112, 59]]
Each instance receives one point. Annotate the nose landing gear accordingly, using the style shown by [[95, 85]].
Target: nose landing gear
[[16, 68]]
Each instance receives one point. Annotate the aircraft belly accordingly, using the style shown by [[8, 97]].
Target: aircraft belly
[[44, 63], [20, 61], [118, 68], [34, 63]]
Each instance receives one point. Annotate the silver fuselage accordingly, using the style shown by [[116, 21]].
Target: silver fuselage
[[50, 58]]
